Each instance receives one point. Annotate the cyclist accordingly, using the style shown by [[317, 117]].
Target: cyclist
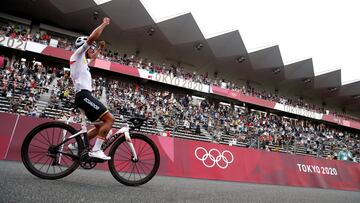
[[81, 77]]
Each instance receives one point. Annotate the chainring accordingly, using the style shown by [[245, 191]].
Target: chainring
[[86, 162]]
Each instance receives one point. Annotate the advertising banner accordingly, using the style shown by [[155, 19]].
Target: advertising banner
[[127, 70], [176, 81], [241, 97], [341, 121], [14, 43], [8, 123], [204, 160], [298, 111]]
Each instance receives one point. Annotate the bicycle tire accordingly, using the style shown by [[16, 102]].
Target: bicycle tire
[[148, 177], [31, 136]]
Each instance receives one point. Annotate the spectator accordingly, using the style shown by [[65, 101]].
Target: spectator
[[344, 155]]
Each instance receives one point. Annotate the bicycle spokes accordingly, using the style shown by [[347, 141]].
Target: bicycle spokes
[[131, 167], [43, 153]]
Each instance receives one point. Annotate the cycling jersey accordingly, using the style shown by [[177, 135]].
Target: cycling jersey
[[79, 69]]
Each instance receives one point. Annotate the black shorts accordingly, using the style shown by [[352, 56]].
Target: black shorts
[[93, 108]]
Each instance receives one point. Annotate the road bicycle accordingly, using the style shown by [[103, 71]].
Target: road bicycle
[[134, 160]]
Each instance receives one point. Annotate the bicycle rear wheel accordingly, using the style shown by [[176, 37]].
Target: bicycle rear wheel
[[129, 172], [42, 159]]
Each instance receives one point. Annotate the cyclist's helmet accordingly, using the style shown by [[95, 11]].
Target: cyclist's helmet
[[80, 41]]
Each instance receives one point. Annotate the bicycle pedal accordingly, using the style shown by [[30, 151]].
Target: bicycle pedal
[[97, 160]]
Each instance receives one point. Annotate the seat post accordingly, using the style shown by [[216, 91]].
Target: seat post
[[84, 127], [83, 120]]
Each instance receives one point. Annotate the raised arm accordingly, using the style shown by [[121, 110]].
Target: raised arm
[[97, 51], [97, 32]]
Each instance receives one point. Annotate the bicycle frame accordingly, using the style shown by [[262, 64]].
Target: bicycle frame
[[113, 137]]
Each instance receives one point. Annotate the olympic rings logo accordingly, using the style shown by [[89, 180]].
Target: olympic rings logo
[[215, 157]]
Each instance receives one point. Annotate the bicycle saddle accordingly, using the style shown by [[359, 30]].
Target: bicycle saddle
[[137, 121]]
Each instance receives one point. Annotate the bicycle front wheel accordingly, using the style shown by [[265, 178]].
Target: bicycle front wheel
[[130, 172], [40, 155]]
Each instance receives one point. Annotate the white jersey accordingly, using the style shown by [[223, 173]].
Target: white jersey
[[79, 69]]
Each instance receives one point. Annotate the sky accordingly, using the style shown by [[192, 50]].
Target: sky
[[328, 31]]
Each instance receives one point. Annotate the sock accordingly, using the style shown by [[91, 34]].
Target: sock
[[98, 144]]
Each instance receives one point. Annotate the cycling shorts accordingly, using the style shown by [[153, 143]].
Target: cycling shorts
[[93, 108]]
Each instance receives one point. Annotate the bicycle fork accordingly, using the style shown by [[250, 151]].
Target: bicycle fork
[[125, 130], [131, 145]]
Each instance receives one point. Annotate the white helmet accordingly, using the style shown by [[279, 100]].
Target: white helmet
[[80, 41]]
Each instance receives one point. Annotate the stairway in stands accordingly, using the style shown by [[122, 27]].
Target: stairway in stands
[[103, 98], [42, 103], [159, 125], [205, 132]]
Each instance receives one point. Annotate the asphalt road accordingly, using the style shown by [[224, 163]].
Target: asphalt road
[[18, 185]]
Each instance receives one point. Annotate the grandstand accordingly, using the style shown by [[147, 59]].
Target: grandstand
[[312, 116]]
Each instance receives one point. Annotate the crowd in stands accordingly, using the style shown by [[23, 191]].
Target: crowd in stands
[[22, 83], [144, 63], [62, 41], [21, 31], [14, 30], [134, 60], [240, 123], [178, 71]]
